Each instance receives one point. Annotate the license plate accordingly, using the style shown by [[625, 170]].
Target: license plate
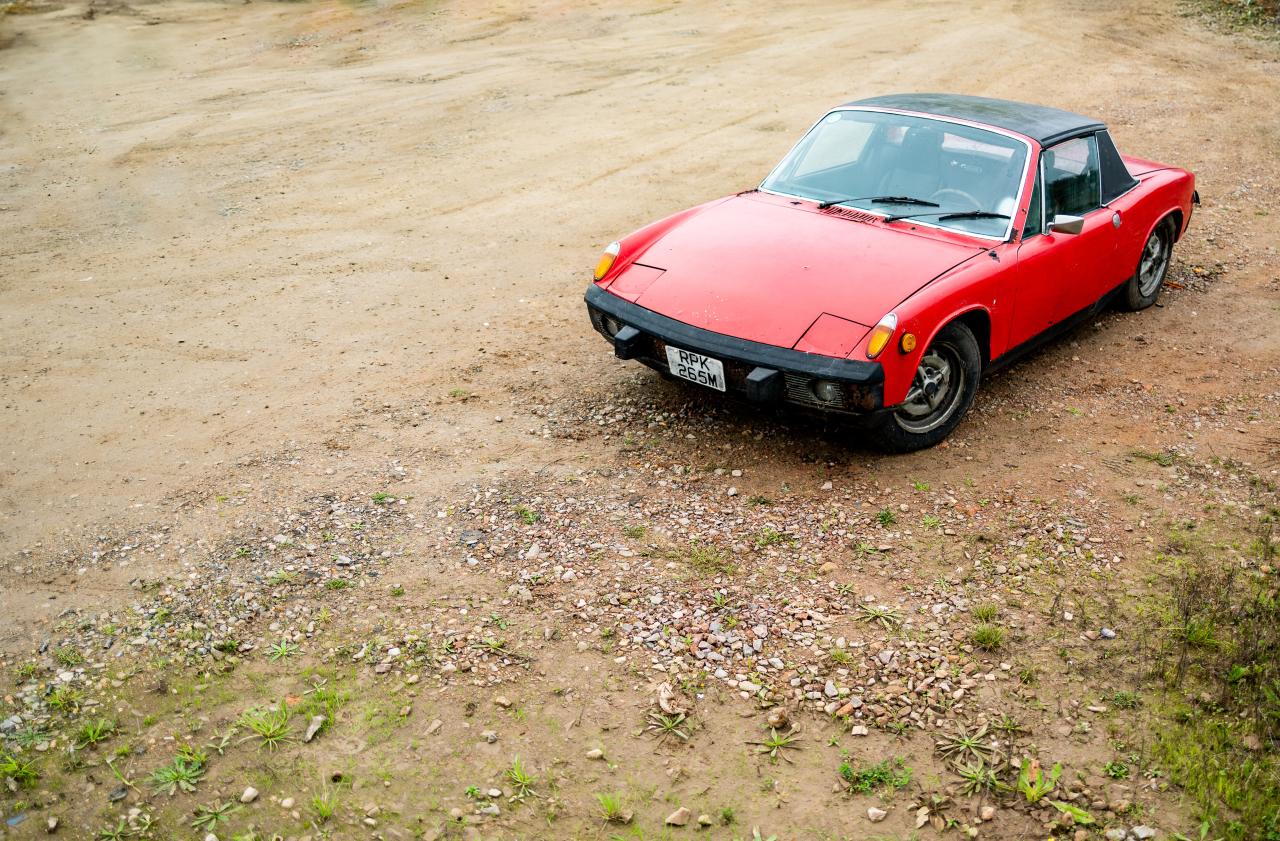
[[696, 368]]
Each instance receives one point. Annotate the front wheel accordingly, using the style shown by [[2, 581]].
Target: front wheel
[[941, 393], [1144, 287]]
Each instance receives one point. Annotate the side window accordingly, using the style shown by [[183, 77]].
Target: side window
[[1035, 218], [1073, 184]]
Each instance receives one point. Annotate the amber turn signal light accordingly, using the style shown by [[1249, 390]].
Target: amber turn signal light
[[880, 335], [908, 342], [606, 260]]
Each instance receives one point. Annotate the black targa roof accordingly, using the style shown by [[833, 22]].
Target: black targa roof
[[1040, 122]]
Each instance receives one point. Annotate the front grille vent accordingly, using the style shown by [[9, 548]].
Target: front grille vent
[[799, 391], [850, 213]]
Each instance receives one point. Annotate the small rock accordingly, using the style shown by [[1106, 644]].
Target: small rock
[[1143, 832], [679, 817], [705, 820], [51, 825], [730, 492], [1115, 835], [434, 727], [778, 718], [250, 794], [490, 809], [1108, 634], [503, 701], [287, 803], [876, 815], [595, 753], [494, 792], [858, 730], [313, 727], [987, 813], [489, 736]]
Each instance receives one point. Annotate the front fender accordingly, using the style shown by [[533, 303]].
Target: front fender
[[900, 368], [974, 291], [633, 246]]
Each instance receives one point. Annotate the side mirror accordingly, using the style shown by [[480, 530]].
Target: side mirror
[[1062, 224]]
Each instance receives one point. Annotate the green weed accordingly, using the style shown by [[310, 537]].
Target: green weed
[[269, 725], [93, 732], [182, 774], [888, 775], [21, 771], [1033, 783], [521, 780]]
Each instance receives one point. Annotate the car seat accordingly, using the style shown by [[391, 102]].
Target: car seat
[[917, 169]]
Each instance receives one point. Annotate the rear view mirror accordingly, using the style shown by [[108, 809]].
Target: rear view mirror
[[1063, 224]]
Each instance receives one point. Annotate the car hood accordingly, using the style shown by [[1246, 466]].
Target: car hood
[[761, 268]]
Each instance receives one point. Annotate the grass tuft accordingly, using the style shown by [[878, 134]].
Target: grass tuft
[[988, 637], [93, 732], [269, 725], [612, 808]]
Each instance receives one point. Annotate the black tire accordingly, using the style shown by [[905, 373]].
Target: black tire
[[952, 366], [1153, 264]]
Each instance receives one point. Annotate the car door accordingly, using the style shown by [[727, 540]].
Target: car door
[[1035, 290], [1059, 273], [1073, 187]]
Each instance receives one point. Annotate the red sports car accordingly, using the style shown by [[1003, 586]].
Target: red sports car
[[907, 245]]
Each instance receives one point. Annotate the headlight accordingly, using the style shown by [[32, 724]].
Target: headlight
[[611, 325], [606, 259], [880, 335], [827, 391]]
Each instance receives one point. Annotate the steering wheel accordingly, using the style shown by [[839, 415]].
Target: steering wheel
[[976, 205]]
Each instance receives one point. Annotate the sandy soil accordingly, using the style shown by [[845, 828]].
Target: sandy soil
[[228, 227], [259, 252]]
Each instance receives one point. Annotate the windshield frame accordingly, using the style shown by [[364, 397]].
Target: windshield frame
[[1027, 163]]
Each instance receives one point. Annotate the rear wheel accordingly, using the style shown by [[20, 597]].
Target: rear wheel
[[1144, 287], [941, 393]]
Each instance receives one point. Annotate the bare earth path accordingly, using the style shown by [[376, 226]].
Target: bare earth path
[[255, 258]]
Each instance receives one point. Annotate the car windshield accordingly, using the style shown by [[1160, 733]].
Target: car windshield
[[898, 165]]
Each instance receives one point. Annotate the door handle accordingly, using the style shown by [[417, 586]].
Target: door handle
[[1115, 219]]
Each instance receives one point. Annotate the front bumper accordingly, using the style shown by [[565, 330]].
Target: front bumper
[[759, 372]]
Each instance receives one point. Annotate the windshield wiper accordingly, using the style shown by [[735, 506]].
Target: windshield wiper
[[881, 200], [962, 214]]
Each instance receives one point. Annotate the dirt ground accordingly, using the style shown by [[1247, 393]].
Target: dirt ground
[[262, 264]]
